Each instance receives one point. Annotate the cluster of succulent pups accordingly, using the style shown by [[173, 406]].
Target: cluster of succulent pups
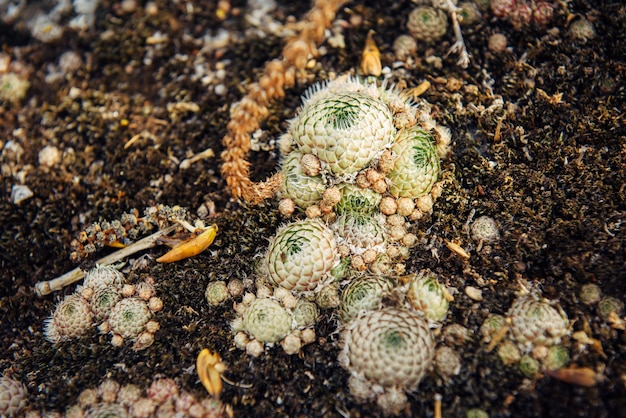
[[361, 162], [107, 301], [162, 398], [530, 334], [522, 13]]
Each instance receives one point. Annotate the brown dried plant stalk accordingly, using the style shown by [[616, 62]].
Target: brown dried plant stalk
[[247, 114]]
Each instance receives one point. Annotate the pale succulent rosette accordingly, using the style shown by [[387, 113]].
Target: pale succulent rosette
[[416, 167], [360, 232], [267, 320], [301, 255], [104, 276], [387, 352], [13, 397], [537, 321], [103, 300], [71, 318], [346, 125]]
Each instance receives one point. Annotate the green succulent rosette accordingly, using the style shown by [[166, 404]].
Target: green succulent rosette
[[428, 295], [300, 255], [267, 320], [364, 294], [302, 189], [346, 130], [417, 165], [355, 199], [129, 317]]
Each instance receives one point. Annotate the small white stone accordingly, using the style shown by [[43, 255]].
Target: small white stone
[[50, 156], [474, 293], [221, 90], [20, 193]]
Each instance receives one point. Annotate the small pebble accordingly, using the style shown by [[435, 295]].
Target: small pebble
[[474, 293]]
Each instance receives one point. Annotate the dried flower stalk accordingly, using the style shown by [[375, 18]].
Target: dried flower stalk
[[247, 114]]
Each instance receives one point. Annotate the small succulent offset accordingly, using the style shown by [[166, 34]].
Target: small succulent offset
[[530, 335], [428, 295], [274, 318]]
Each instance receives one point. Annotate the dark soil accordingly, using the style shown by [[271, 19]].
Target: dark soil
[[554, 179]]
